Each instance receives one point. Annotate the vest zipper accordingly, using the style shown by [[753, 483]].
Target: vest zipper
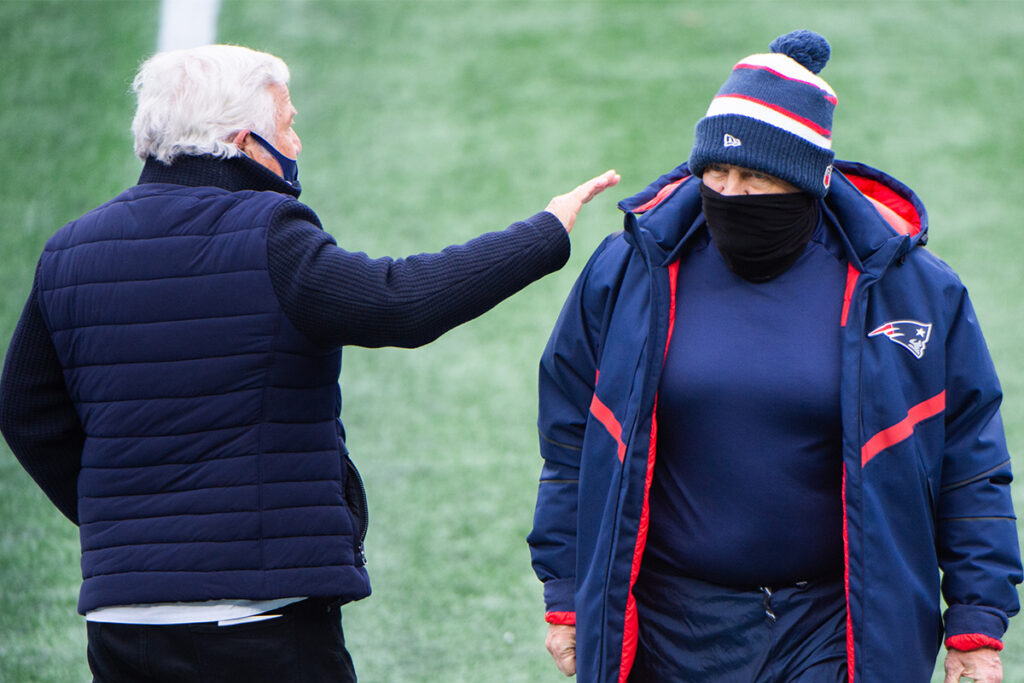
[[356, 494]]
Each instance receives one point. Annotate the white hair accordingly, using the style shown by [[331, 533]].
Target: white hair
[[193, 101]]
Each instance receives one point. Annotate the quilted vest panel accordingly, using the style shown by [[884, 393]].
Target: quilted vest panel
[[213, 465]]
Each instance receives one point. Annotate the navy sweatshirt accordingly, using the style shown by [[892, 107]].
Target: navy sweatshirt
[[333, 296], [748, 476]]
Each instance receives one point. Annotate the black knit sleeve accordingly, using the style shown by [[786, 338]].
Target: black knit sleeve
[[336, 297], [37, 415]]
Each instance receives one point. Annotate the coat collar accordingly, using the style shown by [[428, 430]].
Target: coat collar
[[880, 219], [234, 174]]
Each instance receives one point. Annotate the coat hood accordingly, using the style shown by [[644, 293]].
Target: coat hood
[[881, 219]]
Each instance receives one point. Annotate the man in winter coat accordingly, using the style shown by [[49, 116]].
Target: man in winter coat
[[769, 419], [172, 384]]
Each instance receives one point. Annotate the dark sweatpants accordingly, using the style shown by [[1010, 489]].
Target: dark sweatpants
[[692, 631]]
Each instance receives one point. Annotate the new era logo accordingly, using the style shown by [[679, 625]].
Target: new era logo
[[731, 141]]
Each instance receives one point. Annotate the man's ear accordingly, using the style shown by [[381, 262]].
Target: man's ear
[[242, 142], [248, 145]]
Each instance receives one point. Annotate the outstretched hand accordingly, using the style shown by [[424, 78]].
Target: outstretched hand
[[565, 207]]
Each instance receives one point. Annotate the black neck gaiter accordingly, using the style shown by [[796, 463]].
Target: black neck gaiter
[[760, 236]]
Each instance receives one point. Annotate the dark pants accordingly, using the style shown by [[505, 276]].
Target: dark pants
[[696, 631], [305, 644]]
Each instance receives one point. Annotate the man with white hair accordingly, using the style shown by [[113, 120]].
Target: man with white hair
[[172, 384]]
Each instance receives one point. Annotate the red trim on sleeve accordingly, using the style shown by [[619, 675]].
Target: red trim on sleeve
[[904, 428], [563, 618], [972, 641]]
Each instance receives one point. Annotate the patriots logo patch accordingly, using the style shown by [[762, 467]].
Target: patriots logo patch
[[910, 334]]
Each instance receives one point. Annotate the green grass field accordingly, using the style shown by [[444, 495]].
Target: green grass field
[[426, 122]]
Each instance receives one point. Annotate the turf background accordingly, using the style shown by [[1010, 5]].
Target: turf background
[[427, 122]]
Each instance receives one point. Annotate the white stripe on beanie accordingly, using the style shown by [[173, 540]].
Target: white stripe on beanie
[[731, 104], [786, 67]]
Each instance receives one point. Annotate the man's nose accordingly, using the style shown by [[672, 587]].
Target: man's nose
[[733, 184]]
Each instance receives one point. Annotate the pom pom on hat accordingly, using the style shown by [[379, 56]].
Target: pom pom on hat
[[807, 48], [774, 114]]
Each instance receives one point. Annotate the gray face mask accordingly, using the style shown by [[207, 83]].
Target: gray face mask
[[289, 166]]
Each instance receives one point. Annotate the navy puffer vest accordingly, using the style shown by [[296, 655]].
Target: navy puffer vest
[[214, 465]]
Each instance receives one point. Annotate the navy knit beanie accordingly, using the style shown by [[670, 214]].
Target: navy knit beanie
[[774, 115]]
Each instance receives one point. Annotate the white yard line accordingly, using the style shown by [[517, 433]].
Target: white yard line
[[187, 23]]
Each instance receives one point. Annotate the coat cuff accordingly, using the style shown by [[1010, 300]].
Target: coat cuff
[[547, 223], [976, 621], [565, 618], [559, 596], [972, 641]]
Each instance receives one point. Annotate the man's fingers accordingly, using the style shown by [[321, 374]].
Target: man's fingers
[[566, 662], [981, 665], [595, 186], [567, 665], [561, 643], [954, 668], [566, 206]]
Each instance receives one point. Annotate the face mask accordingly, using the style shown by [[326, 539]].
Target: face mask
[[289, 166], [760, 236]]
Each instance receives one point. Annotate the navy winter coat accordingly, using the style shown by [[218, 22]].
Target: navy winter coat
[[926, 483]]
